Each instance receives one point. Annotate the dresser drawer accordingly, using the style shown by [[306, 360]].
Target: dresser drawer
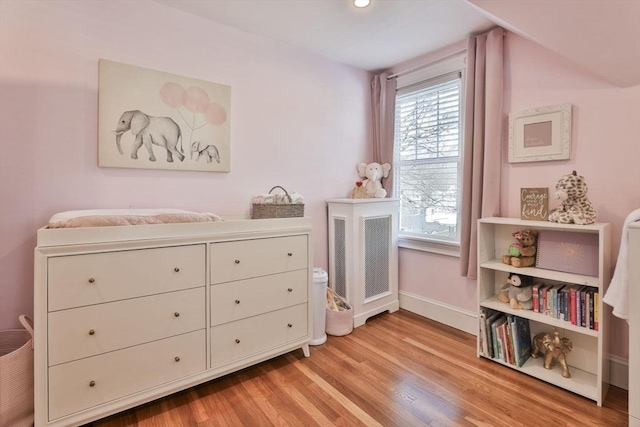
[[123, 372], [244, 259], [234, 341], [236, 300], [87, 331], [80, 280]]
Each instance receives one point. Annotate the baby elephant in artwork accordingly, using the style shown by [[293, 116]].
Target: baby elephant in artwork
[[554, 348], [210, 151]]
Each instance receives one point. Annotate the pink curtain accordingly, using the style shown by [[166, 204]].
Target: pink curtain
[[482, 155], [383, 105]]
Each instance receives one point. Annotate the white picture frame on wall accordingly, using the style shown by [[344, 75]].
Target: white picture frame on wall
[[540, 134]]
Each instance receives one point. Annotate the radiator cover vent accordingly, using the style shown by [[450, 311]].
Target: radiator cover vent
[[340, 261], [377, 247]]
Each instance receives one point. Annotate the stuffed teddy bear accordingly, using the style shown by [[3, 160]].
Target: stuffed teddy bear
[[522, 253], [373, 174], [575, 207], [518, 292]]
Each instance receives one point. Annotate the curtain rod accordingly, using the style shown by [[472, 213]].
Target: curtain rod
[[437, 61], [430, 63]]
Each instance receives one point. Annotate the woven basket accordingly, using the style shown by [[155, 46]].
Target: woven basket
[[16, 375], [272, 210], [338, 323]]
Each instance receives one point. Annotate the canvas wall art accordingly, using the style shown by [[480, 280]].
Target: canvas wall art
[[156, 120]]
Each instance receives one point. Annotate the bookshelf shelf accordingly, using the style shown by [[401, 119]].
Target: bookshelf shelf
[[496, 264], [588, 363], [494, 304], [581, 382]]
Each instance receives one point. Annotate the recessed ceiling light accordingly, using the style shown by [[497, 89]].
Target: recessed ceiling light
[[361, 3]]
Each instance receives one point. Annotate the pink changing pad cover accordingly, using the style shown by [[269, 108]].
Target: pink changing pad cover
[[117, 217]]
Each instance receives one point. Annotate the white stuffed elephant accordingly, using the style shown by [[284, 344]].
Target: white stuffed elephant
[[373, 173]]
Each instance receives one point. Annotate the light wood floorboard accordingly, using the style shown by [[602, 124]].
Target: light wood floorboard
[[398, 369]]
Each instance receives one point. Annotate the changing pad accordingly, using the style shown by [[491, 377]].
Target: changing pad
[[111, 217]]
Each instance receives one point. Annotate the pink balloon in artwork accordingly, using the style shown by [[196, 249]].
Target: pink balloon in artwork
[[195, 99], [215, 114], [171, 94]]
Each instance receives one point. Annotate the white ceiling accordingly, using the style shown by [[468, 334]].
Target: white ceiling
[[600, 35]]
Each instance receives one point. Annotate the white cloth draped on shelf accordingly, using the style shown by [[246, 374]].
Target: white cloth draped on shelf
[[278, 199], [617, 295]]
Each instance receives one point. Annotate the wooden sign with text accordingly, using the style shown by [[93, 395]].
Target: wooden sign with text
[[534, 204]]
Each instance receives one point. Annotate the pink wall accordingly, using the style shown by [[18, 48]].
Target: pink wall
[[297, 121], [605, 150]]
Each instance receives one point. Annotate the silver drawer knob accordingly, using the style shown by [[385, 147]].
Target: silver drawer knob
[[92, 332], [237, 301], [176, 269], [290, 254], [177, 359], [289, 290], [92, 383], [237, 261], [92, 280], [176, 314], [237, 341], [289, 325]]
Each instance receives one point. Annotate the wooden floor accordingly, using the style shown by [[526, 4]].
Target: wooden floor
[[399, 369]]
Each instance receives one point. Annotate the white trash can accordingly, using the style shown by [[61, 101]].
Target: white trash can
[[320, 280]]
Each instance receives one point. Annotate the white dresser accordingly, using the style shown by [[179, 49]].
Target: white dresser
[[125, 315]]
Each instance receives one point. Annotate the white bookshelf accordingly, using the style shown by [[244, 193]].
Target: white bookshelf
[[588, 361]]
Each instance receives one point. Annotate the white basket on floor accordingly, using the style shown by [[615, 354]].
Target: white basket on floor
[[339, 317], [16, 375]]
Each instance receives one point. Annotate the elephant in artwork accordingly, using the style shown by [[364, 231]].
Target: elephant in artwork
[[147, 130], [210, 151]]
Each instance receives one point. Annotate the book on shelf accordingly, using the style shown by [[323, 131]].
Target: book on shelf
[[493, 337], [564, 303], [596, 311], [522, 340], [590, 297], [572, 304], [583, 311], [501, 349], [505, 337], [576, 304], [508, 338], [543, 299], [535, 299], [485, 336]]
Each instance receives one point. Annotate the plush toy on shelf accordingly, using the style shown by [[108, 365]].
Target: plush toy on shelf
[[518, 292], [359, 192], [373, 174], [575, 207], [522, 252]]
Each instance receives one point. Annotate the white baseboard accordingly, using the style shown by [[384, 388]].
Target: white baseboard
[[619, 372], [467, 321], [455, 317]]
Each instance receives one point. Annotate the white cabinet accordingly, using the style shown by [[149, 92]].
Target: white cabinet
[[634, 324], [589, 360], [363, 254], [125, 315]]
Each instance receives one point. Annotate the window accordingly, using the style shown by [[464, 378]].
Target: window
[[428, 154]]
